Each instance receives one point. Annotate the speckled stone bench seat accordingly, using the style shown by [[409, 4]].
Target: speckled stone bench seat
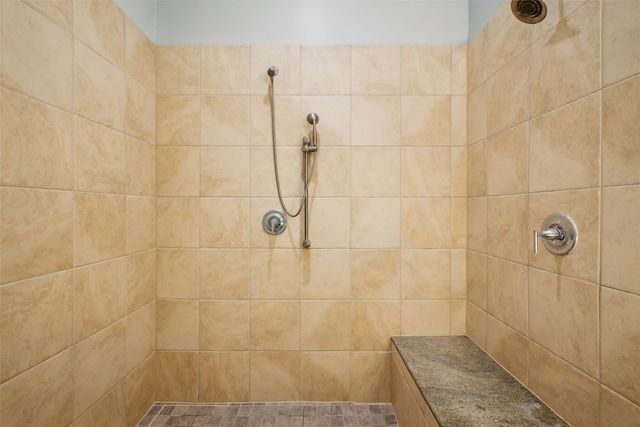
[[449, 381]]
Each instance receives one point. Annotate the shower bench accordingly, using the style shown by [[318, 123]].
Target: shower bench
[[450, 381]]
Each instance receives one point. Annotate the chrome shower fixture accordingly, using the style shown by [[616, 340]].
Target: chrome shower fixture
[[529, 11]]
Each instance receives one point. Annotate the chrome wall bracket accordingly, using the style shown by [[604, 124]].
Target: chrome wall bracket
[[559, 233]]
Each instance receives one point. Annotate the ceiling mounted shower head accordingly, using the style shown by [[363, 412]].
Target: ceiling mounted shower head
[[529, 11]]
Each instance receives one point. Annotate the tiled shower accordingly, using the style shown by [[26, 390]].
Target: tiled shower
[[134, 177]]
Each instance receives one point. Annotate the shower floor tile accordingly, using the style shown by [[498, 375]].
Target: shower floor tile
[[283, 414]]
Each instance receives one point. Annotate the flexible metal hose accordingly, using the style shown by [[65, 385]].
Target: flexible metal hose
[[307, 179]]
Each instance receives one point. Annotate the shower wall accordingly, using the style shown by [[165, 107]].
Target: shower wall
[[245, 316], [552, 126], [77, 215]]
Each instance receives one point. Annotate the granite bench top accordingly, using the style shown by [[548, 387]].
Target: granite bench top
[[464, 387]]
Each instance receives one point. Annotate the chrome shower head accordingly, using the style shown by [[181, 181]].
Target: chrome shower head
[[529, 11], [273, 71]]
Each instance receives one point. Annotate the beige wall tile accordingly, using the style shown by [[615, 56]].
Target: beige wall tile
[[178, 222], [326, 274], [100, 227], [375, 274], [366, 164], [376, 120], [100, 158], [583, 207], [477, 174], [619, 240], [619, 342], [508, 293], [141, 168], [177, 376], [223, 376], [42, 395], [458, 317], [101, 26], [39, 63], [37, 321], [177, 273], [178, 120], [477, 279], [224, 273], [506, 38], [426, 317], [141, 223], [325, 325], [568, 69], [620, 38], [563, 317], [141, 335], [508, 235], [426, 223], [508, 95], [477, 325], [459, 172], [330, 215], [367, 214], [141, 389], [324, 376], [36, 144], [274, 376], [459, 70], [426, 70], [373, 323], [224, 171], [508, 161], [275, 274], [59, 12], [225, 69], [459, 121], [570, 393], [570, 133], [332, 175], [426, 274], [426, 120], [325, 70], [178, 70], [140, 56], [559, 12], [508, 348], [336, 118], [615, 410], [370, 376], [177, 325], [35, 225], [224, 325], [477, 60], [141, 111], [99, 365], [224, 119], [263, 181], [459, 222], [376, 70], [178, 171], [274, 325], [112, 408], [286, 58], [477, 224], [477, 124], [141, 279], [620, 154], [99, 295], [458, 273], [99, 88], [426, 171], [290, 124], [224, 222]]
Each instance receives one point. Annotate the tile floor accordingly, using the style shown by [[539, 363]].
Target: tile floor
[[284, 414]]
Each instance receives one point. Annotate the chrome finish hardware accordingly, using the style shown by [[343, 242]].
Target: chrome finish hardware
[[274, 222], [559, 232]]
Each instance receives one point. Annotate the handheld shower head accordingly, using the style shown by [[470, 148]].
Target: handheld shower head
[[529, 11], [273, 71]]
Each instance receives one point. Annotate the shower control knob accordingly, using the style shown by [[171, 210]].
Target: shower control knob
[[274, 222], [559, 234]]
